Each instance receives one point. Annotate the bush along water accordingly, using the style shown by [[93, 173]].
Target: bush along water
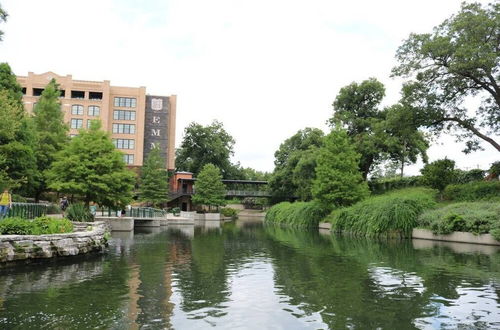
[[473, 217], [300, 214], [473, 191], [229, 212], [78, 212], [39, 226], [391, 215]]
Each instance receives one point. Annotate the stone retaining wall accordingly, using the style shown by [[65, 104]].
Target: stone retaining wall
[[22, 247]]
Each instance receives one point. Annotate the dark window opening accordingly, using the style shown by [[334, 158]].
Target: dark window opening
[[24, 90], [77, 94], [63, 93], [37, 91], [95, 95]]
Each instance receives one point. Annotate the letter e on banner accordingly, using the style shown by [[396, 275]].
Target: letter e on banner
[[156, 120]]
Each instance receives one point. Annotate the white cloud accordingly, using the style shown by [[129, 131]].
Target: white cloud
[[264, 68]]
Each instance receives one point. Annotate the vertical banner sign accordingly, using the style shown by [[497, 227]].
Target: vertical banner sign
[[156, 125]]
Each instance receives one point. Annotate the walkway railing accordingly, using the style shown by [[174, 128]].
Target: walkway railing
[[27, 210], [147, 212], [247, 193]]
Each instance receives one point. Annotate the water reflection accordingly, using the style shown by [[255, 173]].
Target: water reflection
[[243, 275]]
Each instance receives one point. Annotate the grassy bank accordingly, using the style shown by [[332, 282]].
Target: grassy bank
[[473, 191], [392, 214], [473, 217], [300, 214]]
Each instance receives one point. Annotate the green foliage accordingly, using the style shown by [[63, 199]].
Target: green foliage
[[474, 217], [175, 210], [51, 132], [295, 163], [392, 214], [469, 176], [301, 214], [473, 191], [91, 167], [153, 187], [203, 145], [494, 171], [439, 174], [383, 185], [78, 212], [3, 17], [338, 181], [460, 58], [229, 212], [53, 209], [39, 226], [209, 189]]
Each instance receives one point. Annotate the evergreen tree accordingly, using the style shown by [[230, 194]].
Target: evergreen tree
[[90, 167], [51, 132], [153, 186], [209, 189], [338, 179]]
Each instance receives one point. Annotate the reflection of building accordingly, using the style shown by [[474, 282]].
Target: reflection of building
[[137, 122]]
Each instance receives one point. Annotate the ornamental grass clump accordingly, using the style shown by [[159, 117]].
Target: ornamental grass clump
[[300, 214], [472, 217], [78, 212], [391, 215]]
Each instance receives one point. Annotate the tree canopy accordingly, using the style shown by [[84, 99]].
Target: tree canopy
[[459, 60], [203, 145], [295, 163], [3, 18], [209, 189], [153, 185], [439, 173], [338, 180], [90, 167]]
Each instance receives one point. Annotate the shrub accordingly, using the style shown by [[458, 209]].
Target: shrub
[[47, 225], [175, 210], [383, 185], [473, 191], [392, 214], [474, 217], [303, 214], [229, 212], [78, 212], [39, 226], [53, 209], [469, 176], [16, 226]]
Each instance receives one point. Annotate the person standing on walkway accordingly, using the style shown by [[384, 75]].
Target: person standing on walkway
[[5, 203], [64, 204]]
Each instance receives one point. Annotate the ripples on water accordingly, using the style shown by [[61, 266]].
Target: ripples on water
[[241, 275]]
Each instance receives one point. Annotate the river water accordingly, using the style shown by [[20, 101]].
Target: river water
[[243, 275]]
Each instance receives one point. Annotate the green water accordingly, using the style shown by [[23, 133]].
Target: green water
[[242, 275]]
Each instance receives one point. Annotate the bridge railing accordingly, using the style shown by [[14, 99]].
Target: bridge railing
[[146, 212], [27, 210], [244, 193]]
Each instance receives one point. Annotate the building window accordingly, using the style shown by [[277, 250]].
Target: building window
[[77, 94], [76, 123], [125, 102], [94, 110], [124, 128], [123, 115], [95, 95], [89, 122], [128, 159], [77, 109], [124, 143]]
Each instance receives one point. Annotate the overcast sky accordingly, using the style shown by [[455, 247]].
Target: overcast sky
[[265, 68]]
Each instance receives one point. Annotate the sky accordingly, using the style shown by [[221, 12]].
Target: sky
[[264, 68]]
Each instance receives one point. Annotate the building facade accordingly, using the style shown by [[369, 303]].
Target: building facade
[[136, 121]]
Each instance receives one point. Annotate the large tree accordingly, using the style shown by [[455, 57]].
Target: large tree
[[439, 174], [90, 167], [295, 161], [3, 18], [203, 145], [338, 180], [17, 140], [51, 132], [153, 185], [375, 132], [209, 189], [459, 60]]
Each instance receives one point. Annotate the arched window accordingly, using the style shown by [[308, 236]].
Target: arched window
[[94, 111], [77, 109]]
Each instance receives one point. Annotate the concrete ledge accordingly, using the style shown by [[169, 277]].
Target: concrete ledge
[[325, 225], [147, 222], [118, 224], [457, 236], [212, 216], [22, 247]]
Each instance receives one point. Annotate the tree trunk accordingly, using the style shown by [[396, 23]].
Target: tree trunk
[[471, 128]]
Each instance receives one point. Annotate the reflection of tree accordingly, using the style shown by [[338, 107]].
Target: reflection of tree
[[337, 276]]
